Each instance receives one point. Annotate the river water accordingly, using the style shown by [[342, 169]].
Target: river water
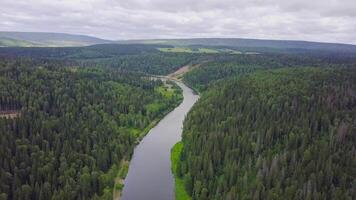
[[149, 176]]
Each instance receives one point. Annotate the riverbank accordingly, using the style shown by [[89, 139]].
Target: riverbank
[[180, 191], [150, 175], [168, 90]]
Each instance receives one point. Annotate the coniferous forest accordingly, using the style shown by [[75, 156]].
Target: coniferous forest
[[177, 100], [225, 66], [72, 126], [276, 134], [270, 125]]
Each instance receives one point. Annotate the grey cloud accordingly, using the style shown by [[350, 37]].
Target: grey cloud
[[317, 20]]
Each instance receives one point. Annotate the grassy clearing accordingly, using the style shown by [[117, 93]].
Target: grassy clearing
[[205, 50], [180, 192], [176, 50], [165, 91], [230, 51], [198, 50], [188, 50]]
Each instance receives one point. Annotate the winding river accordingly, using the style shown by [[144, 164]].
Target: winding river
[[149, 176]]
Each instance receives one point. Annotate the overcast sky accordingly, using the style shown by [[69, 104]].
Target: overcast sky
[[315, 20]]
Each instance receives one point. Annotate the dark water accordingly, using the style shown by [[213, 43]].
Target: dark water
[[150, 176]]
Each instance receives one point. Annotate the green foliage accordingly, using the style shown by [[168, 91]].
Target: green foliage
[[278, 134], [151, 63], [257, 45], [137, 58], [123, 170], [80, 111], [74, 127], [226, 66], [200, 77], [193, 49], [180, 190], [8, 42], [188, 50]]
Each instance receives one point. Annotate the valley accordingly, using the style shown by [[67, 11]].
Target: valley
[[177, 100], [273, 120], [149, 175]]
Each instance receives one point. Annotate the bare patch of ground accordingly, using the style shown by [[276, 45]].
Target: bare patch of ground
[[181, 71], [10, 114]]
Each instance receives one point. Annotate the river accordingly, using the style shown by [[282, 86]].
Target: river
[[149, 176]]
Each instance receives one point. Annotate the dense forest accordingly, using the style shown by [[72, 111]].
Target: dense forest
[[151, 63], [224, 66], [70, 117], [128, 57], [275, 134], [72, 126]]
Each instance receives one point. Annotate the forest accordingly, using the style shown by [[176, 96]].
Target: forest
[[270, 125], [127, 57], [73, 126], [274, 134], [177, 100], [222, 66]]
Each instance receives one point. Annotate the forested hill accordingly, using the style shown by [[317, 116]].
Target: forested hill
[[226, 66], [254, 44], [216, 62], [43, 39], [280, 134], [47, 39], [127, 57], [94, 51], [65, 131]]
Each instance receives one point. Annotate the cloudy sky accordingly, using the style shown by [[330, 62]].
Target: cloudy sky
[[315, 20]]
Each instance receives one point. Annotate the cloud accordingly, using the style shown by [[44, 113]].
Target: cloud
[[317, 20]]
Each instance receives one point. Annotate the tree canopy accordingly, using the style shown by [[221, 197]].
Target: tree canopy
[[75, 126], [277, 134]]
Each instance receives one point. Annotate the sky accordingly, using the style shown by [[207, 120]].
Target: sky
[[311, 20]]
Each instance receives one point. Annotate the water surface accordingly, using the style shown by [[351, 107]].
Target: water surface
[[149, 176]]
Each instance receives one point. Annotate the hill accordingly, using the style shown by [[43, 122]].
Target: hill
[[9, 42], [253, 44], [42, 39], [128, 57], [46, 39], [224, 67], [275, 134]]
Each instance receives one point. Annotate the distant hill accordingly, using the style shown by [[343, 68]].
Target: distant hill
[[252, 44], [9, 42], [41, 39]]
